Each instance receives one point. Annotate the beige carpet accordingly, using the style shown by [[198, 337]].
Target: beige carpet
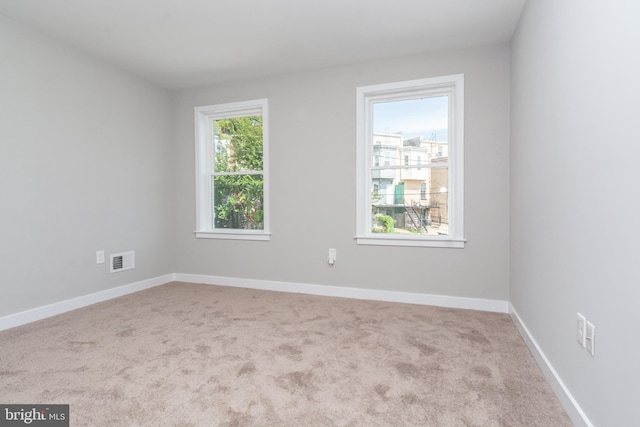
[[187, 354]]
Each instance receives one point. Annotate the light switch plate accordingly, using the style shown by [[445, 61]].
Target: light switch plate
[[590, 338]]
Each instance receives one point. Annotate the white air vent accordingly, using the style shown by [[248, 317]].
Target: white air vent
[[123, 261]]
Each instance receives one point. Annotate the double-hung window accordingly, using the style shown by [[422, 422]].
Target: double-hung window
[[231, 171], [419, 126]]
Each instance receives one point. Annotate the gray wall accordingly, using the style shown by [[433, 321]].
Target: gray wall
[[312, 138], [84, 161], [574, 195]]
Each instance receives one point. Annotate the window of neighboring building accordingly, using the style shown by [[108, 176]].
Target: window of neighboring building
[[422, 123], [231, 166]]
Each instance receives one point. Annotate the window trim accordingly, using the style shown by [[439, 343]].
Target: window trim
[[204, 158], [365, 97]]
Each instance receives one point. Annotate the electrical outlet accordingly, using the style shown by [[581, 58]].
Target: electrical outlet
[[581, 330], [100, 257], [590, 338], [331, 259]]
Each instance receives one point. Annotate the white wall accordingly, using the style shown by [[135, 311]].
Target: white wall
[[575, 203], [312, 138], [84, 166]]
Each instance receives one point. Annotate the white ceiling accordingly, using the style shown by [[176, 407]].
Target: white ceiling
[[180, 43]]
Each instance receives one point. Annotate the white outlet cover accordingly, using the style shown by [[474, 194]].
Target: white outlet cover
[[581, 330], [331, 259]]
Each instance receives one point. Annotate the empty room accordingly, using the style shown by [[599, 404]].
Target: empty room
[[289, 213]]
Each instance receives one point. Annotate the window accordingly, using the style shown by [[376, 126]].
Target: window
[[231, 166], [421, 124]]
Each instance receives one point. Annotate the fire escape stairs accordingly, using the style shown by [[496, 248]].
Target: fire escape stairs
[[414, 217]]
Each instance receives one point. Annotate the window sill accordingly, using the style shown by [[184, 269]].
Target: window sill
[[233, 235], [394, 240]]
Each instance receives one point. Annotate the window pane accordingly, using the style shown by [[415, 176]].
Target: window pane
[[426, 119], [238, 144], [410, 135], [415, 203], [238, 202]]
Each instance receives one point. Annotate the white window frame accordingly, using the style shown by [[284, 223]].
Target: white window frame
[[453, 86], [205, 165]]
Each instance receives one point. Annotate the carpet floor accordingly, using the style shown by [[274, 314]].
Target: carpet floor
[[188, 354]]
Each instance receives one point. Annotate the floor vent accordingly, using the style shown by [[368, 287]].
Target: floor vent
[[123, 261]]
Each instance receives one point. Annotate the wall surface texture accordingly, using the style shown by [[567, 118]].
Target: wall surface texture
[[313, 179], [84, 166], [574, 195]]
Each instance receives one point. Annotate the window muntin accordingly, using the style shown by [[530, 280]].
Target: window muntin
[[232, 179], [418, 126]]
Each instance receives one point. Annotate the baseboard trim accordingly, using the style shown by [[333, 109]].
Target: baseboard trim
[[38, 313], [497, 306], [568, 402], [32, 315]]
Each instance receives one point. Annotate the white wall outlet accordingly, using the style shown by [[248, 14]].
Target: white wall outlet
[[581, 330], [100, 257], [331, 259], [590, 338]]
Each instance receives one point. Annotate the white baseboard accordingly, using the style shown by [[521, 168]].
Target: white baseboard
[[348, 292], [43, 312], [32, 315], [570, 405]]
